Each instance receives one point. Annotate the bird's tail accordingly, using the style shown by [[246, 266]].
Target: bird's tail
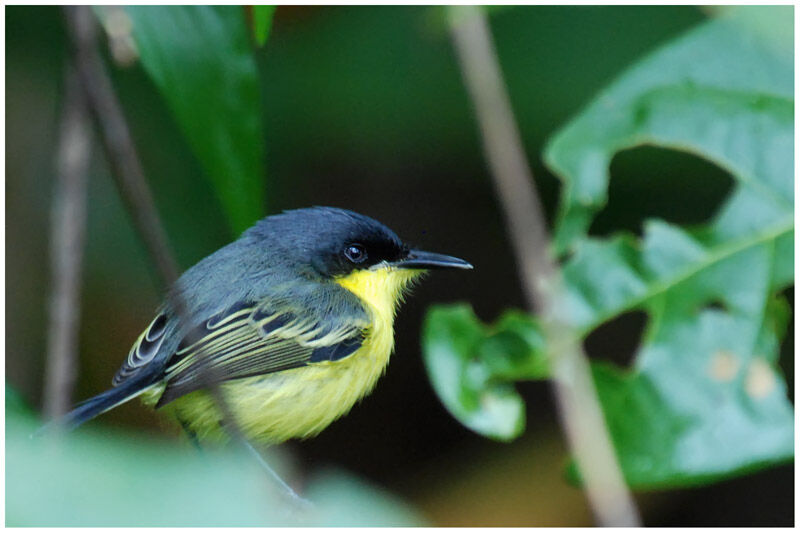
[[88, 409]]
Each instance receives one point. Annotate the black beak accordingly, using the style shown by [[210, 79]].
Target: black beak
[[419, 260]]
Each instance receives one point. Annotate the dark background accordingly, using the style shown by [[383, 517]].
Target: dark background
[[364, 108]]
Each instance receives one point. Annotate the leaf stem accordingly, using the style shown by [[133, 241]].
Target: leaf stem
[[579, 408]]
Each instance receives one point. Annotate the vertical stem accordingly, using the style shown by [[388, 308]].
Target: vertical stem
[[67, 237], [579, 408]]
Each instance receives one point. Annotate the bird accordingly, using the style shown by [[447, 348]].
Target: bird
[[293, 323]]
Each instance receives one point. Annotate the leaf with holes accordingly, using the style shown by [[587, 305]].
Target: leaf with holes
[[201, 60], [473, 367], [704, 398]]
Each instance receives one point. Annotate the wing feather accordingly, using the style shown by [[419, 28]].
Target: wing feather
[[144, 350], [254, 340]]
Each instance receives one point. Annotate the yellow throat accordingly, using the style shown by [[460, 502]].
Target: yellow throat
[[380, 289]]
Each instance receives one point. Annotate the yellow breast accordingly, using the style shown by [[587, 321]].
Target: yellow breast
[[302, 402]]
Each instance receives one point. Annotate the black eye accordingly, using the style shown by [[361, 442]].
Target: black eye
[[355, 253]]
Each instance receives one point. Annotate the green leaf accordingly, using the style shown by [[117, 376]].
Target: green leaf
[[262, 21], [93, 478], [200, 59], [724, 69], [704, 399], [473, 367]]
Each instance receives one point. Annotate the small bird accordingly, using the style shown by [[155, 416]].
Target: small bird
[[294, 321]]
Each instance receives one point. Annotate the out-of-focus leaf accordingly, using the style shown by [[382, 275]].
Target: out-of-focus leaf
[[262, 21], [15, 404], [341, 501], [704, 398], [473, 367], [201, 60], [91, 478]]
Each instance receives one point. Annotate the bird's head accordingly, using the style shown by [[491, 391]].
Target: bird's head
[[353, 250]]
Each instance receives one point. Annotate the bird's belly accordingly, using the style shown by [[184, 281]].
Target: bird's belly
[[295, 403]]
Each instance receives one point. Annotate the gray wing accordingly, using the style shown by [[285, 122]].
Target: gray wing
[[303, 326]]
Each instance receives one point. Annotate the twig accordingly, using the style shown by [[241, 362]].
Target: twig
[[579, 407], [68, 234], [130, 179], [117, 142]]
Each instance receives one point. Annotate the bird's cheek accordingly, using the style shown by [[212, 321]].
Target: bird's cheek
[[327, 266]]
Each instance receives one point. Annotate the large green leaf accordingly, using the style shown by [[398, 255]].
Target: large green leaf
[[201, 60], [112, 479], [704, 398], [473, 367]]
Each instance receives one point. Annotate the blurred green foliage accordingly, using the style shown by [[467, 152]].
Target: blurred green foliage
[[113, 479], [201, 60], [703, 399], [262, 20]]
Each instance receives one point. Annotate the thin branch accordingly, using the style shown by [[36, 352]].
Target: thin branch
[[117, 142], [576, 396], [68, 235], [129, 177]]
